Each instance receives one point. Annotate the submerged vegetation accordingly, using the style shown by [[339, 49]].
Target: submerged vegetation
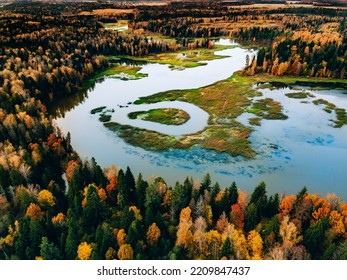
[[299, 95], [52, 51]]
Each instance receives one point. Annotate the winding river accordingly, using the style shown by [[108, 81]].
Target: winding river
[[304, 150]]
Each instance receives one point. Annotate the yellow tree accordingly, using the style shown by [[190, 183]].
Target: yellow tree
[[34, 211], [110, 254], [255, 243], [137, 212], [289, 233], [274, 70], [125, 252], [214, 243], [322, 207], [153, 234], [84, 251], [238, 242], [199, 239], [184, 233], [121, 235], [46, 199], [344, 213], [59, 219], [337, 226], [286, 205], [12, 233]]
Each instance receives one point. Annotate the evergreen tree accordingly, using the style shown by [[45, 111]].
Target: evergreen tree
[[226, 249], [72, 239], [251, 217], [140, 192], [205, 184], [93, 211], [152, 202], [49, 251], [123, 191], [130, 183], [315, 239], [23, 239]]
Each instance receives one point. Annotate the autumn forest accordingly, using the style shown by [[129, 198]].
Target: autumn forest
[[55, 205]]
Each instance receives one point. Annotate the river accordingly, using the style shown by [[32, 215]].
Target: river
[[304, 150]]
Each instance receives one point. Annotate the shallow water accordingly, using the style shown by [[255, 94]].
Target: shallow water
[[304, 150]]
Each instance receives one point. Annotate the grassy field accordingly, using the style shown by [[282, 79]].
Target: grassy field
[[287, 80], [186, 58], [168, 116], [123, 72]]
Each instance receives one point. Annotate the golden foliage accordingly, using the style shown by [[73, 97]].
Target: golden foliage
[[199, 238], [289, 233], [84, 251], [137, 212], [344, 213], [209, 215], [242, 200], [10, 121], [286, 205], [59, 219], [34, 212], [153, 234], [46, 198], [255, 243], [322, 37], [125, 252], [3, 204], [322, 207], [167, 200], [29, 122], [35, 153], [184, 233], [337, 225], [111, 172], [238, 242], [102, 194], [214, 243], [110, 254], [112, 186], [71, 166], [12, 233], [121, 235]]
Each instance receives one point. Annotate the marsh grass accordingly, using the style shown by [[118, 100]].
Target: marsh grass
[[168, 116]]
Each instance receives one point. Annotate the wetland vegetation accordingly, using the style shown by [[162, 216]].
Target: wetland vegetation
[[167, 116]]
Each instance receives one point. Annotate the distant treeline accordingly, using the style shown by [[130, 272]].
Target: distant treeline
[[297, 45]]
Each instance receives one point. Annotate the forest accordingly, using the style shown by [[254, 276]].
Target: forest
[[55, 205]]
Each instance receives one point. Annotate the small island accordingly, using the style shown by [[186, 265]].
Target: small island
[[168, 116]]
